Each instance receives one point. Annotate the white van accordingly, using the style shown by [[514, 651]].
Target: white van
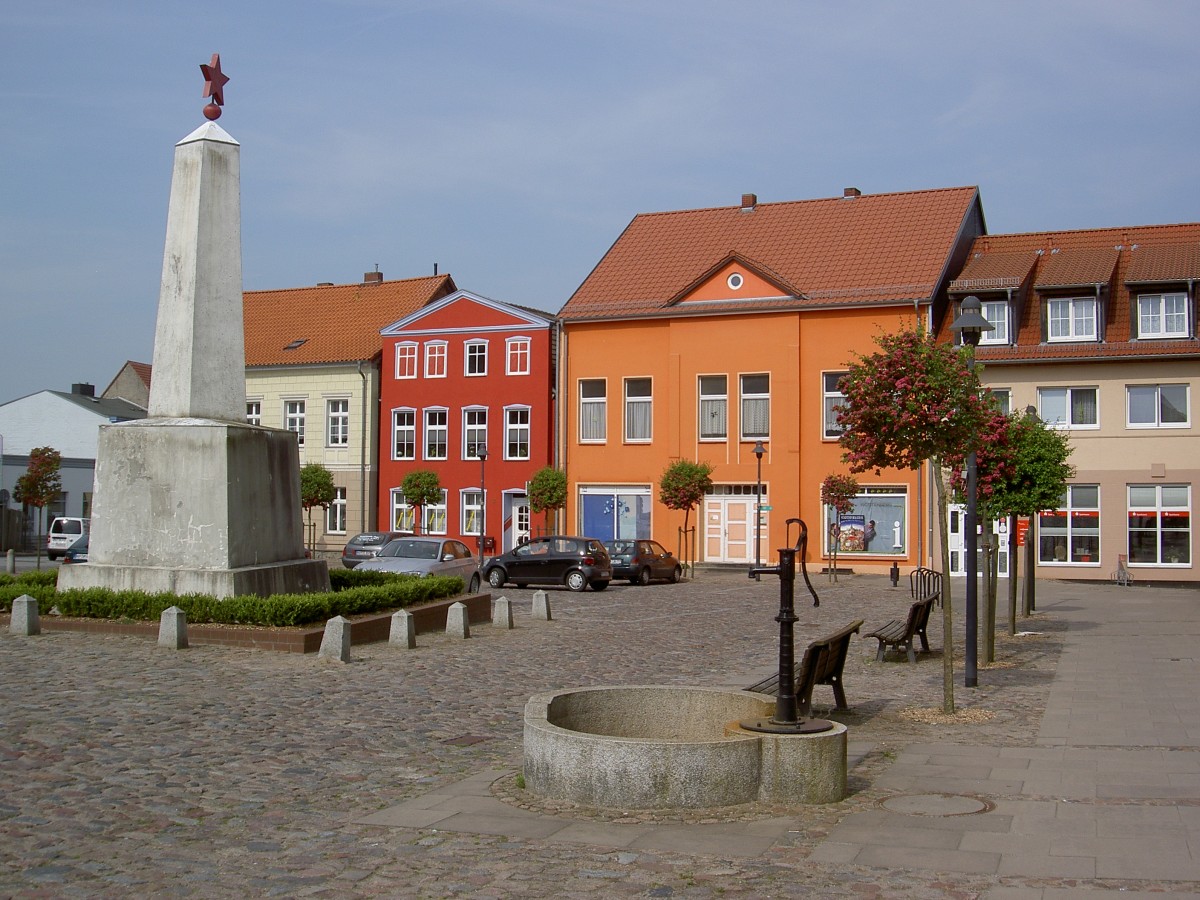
[[64, 531]]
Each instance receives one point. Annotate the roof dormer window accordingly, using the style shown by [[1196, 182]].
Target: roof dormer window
[[996, 312], [1162, 315], [1071, 319]]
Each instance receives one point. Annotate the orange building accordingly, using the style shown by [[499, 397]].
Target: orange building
[[707, 334]]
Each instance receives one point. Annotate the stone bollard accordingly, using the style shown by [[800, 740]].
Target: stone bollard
[[172, 629], [457, 620], [10, 561], [541, 606], [403, 632], [502, 613], [335, 642], [25, 616]]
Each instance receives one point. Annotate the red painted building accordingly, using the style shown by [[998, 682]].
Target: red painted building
[[463, 375]]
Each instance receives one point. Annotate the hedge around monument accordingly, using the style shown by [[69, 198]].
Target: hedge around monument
[[354, 593]]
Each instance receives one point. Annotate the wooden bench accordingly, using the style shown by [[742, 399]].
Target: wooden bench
[[822, 664], [901, 633]]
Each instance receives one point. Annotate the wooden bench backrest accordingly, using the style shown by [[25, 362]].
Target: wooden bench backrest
[[826, 657], [918, 616]]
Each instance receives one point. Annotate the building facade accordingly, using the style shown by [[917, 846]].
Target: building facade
[[467, 394]]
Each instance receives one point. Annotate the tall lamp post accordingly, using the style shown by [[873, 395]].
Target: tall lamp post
[[481, 452], [970, 326], [759, 450]]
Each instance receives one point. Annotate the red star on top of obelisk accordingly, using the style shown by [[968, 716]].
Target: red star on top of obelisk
[[214, 86]]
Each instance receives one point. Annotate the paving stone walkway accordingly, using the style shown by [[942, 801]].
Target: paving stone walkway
[[133, 770]]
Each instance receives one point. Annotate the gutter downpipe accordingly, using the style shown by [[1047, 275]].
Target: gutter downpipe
[[921, 470], [560, 441], [362, 454]]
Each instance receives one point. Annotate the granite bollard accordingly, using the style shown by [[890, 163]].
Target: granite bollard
[[25, 616], [541, 606], [502, 615], [403, 630], [172, 629], [335, 642], [458, 620]]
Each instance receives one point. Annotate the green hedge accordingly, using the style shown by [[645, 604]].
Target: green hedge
[[359, 593]]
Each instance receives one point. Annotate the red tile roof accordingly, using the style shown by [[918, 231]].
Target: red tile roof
[[335, 323], [849, 250], [1113, 257]]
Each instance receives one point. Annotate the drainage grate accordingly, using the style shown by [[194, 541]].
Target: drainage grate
[[937, 805]]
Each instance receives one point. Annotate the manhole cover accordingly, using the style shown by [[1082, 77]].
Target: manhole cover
[[936, 805]]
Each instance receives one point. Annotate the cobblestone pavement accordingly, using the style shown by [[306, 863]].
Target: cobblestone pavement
[[129, 769]]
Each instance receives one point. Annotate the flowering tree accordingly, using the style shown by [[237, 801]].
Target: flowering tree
[[838, 493], [40, 486], [911, 401]]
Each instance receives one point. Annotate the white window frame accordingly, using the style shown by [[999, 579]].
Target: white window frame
[[1153, 324], [406, 360], [1157, 391], [1003, 397], [294, 412], [335, 516], [436, 355], [433, 517], [518, 353], [996, 312], [474, 432], [409, 430], [1180, 559], [1068, 394], [1075, 320], [639, 410], [593, 411], [753, 397], [1075, 539], [433, 430], [516, 432], [470, 503], [475, 358], [831, 397], [337, 422], [403, 512], [253, 412], [713, 405]]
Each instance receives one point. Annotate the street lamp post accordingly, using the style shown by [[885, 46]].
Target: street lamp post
[[759, 450], [481, 452], [971, 325]]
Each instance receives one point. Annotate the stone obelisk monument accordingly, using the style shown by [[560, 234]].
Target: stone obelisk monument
[[192, 499]]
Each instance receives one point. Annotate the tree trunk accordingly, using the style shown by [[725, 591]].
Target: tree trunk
[[939, 482]]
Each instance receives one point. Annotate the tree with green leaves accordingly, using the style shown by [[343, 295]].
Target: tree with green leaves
[[421, 488], [40, 486], [316, 489], [682, 487], [914, 400], [547, 492], [838, 493]]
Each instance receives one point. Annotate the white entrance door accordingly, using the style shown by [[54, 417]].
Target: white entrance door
[[729, 529], [516, 521]]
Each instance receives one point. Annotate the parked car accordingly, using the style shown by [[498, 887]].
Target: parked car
[[643, 561], [576, 562], [77, 552], [367, 546], [64, 531], [420, 555]]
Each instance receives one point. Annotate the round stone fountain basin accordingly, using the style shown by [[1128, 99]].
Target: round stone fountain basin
[[669, 747]]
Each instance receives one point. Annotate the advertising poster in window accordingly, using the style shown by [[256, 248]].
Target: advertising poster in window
[[877, 523]]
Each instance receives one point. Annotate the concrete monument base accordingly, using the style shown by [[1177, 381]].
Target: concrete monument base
[[197, 506]]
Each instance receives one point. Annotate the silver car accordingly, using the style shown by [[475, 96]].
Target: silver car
[[418, 555]]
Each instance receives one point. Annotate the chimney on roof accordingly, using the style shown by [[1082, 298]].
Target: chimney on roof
[[375, 277], [84, 389], [851, 192], [749, 201]]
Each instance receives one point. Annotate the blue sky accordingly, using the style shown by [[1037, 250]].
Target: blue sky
[[510, 141]]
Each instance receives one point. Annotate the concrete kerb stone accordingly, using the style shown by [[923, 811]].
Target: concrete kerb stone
[[541, 606], [335, 643], [502, 615], [403, 631], [25, 619], [458, 620], [172, 629]]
